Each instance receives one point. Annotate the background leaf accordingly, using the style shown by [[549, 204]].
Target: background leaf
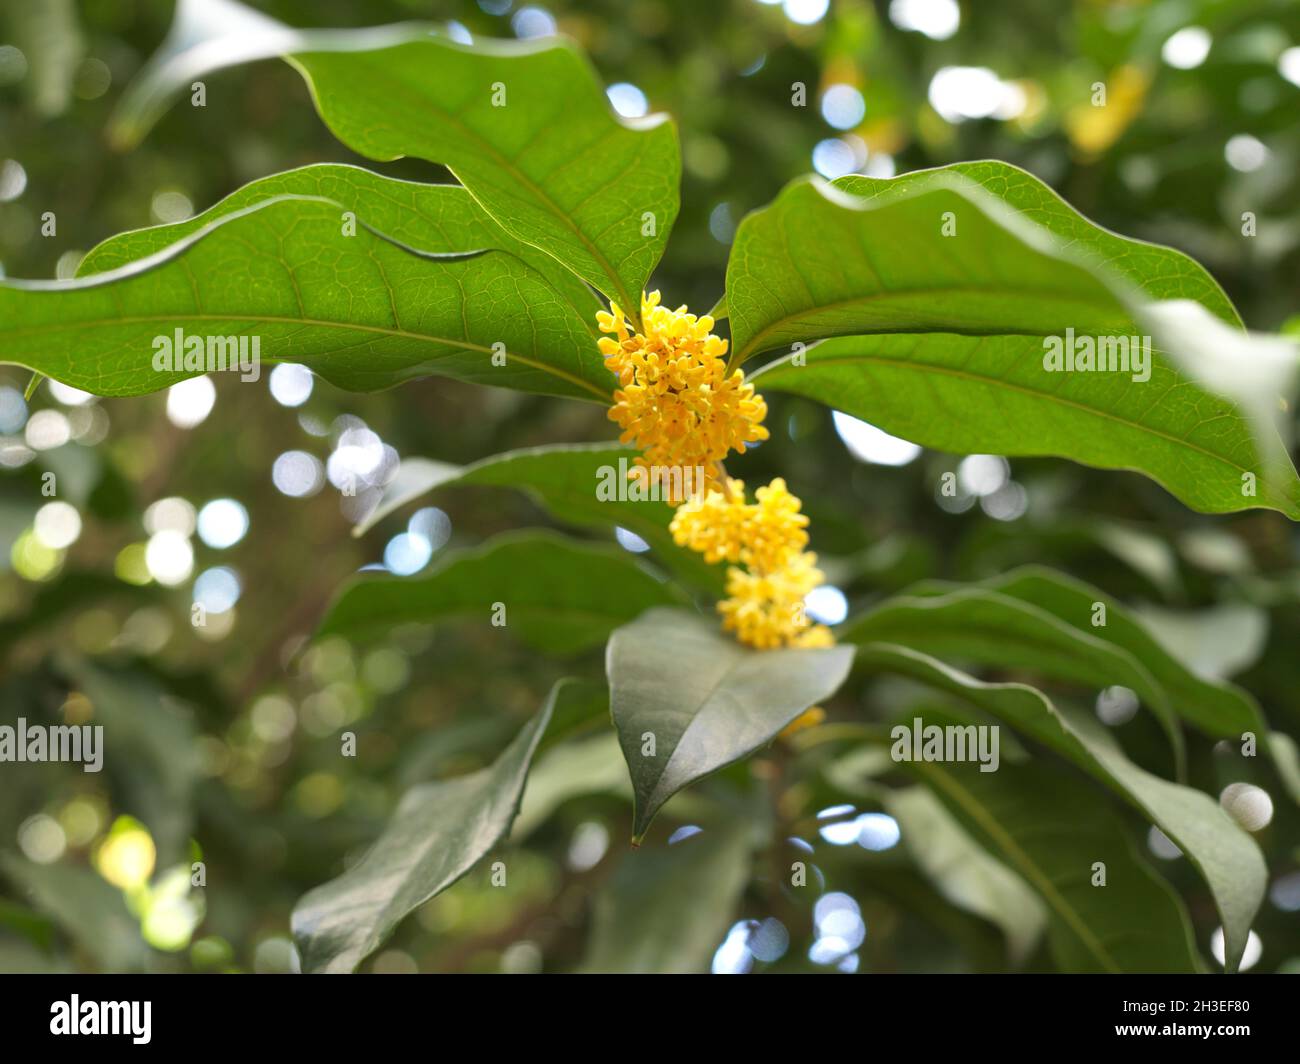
[[1219, 709], [87, 907], [1226, 857], [563, 478], [667, 907], [973, 624], [1052, 829], [439, 832], [560, 595], [964, 872]]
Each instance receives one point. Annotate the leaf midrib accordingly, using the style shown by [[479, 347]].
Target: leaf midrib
[[755, 345]]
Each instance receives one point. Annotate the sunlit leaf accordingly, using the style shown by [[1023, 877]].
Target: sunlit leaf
[[524, 125], [944, 345], [362, 311]]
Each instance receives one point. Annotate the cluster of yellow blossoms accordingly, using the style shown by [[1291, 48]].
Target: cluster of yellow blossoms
[[678, 404], [675, 400]]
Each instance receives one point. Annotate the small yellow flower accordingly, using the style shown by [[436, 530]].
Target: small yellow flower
[[724, 528], [675, 400], [766, 610], [809, 718]]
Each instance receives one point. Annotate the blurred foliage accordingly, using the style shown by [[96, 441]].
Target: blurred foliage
[[229, 754]]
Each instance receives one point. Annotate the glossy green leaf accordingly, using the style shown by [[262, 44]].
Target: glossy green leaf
[[1226, 857], [438, 833], [524, 125], [688, 699], [944, 344], [437, 219], [981, 626], [361, 310], [667, 907], [559, 595], [569, 481], [1052, 829]]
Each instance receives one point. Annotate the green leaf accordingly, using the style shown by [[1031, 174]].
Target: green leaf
[[703, 700], [524, 125], [1226, 857], [361, 310], [560, 595], [974, 624], [666, 908], [438, 219], [566, 480], [569, 770], [87, 907], [944, 344], [439, 832], [1221, 710], [1158, 272], [150, 749], [1052, 829], [964, 872]]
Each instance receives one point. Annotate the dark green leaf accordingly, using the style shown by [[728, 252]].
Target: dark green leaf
[[668, 908], [1219, 709], [566, 479], [1052, 829], [1225, 856], [977, 625], [439, 832], [559, 595], [701, 700]]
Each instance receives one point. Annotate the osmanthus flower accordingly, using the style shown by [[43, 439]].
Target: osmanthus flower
[[766, 610], [764, 535], [676, 401]]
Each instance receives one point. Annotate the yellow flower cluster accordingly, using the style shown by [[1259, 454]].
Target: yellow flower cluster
[[675, 400], [677, 403]]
